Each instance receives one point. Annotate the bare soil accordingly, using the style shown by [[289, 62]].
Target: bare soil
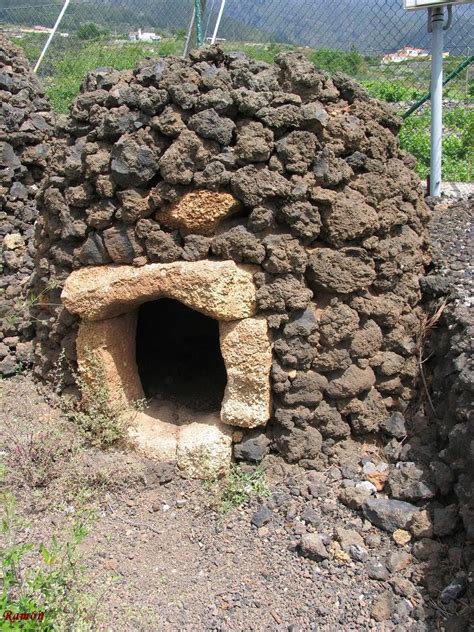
[[160, 555]]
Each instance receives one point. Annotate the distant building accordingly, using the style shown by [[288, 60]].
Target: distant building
[[143, 36], [404, 54], [217, 40]]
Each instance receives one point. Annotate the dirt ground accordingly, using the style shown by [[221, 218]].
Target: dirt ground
[[161, 555]]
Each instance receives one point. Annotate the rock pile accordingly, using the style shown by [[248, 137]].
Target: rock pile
[[450, 365], [26, 123], [278, 166]]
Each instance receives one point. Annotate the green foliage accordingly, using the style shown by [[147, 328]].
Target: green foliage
[[261, 52], [42, 579], [91, 31], [392, 91], [240, 486], [68, 71], [352, 62], [458, 143]]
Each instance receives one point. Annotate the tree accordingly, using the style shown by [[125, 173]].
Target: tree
[[91, 31]]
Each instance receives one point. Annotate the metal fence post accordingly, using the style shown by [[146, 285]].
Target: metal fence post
[[436, 18], [51, 35], [218, 22]]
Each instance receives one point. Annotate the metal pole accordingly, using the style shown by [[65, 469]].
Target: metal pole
[[198, 13], [437, 42], [51, 35], [187, 41], [218, 22]]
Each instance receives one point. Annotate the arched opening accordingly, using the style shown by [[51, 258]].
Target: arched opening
[[178, 355]]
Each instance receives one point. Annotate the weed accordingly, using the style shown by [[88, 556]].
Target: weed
[[45, 579], [102, 419], [38, 458], [240, 486]]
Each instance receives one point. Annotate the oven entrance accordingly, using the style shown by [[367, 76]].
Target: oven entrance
[[179, 357]]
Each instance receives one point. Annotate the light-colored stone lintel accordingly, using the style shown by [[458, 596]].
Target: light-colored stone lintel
[[222, 290]]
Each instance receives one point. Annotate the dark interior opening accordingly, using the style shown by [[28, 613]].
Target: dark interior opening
[[178, 355]]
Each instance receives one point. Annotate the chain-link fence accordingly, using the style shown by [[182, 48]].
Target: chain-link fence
[[375, 41]]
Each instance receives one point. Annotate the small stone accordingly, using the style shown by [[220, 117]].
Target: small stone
[[377, 570], [358, 553], [253, 447], [395, 425], [366, 486], [421, 525], [411, 481], [378, 479], [336, 550], [398, 560], [311, 516], [353, 498], [373, 540], [455, 589], [261, 516], [402, 586], [426, 549], [312, 546], [348, 538], [401, 536], [383, 606], [445, 520], [111, 565]]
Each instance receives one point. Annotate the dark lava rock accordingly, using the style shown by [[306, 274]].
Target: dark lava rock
[[411, 481], [455, 589], [445, 520], [395, 425], [377, 570], [388, 514], [253, 447], [261, 516], [208, 124]]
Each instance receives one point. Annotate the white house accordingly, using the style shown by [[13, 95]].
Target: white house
[[144, 36], [404, 54]]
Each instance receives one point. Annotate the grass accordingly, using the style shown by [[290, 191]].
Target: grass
[[64, 84], [458, 143], [43, 586], [238, 487], [69, 60]]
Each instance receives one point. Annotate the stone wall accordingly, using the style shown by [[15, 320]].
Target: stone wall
[[449, 290], [293, 172], [26, 123]]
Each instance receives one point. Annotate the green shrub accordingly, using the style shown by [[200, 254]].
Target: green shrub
[[392, 91], [458, 143], [351, 62], [91, 31], [42, 579]]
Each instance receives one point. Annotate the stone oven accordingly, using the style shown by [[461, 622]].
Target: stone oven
[[254, 228]]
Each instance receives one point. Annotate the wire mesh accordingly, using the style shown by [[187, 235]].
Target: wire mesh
[[375, 41]]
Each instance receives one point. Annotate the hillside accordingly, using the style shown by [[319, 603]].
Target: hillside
[[371, 26]]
